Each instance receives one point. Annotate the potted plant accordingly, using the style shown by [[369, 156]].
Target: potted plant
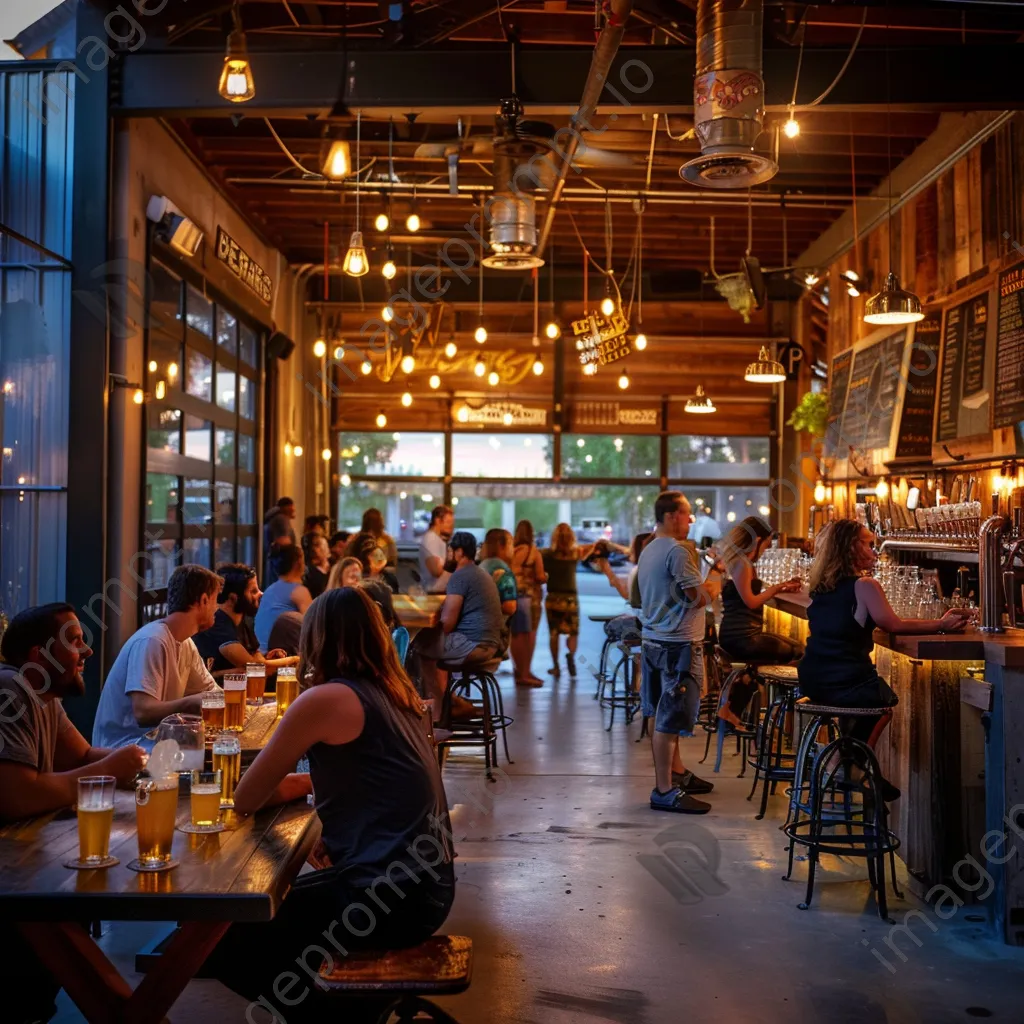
[[811, 414]]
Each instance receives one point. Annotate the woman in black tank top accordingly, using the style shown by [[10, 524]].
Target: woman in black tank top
[[385, 876]]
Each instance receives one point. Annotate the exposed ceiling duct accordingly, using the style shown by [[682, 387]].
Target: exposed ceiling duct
[[728, 96]]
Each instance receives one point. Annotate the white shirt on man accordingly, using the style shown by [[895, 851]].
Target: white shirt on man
[[433, 545], [152, 662]]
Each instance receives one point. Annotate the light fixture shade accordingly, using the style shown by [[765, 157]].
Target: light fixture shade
[[338, 164], [700, 403], [236, 82], [765, 370], [893, 305], [356, 264]]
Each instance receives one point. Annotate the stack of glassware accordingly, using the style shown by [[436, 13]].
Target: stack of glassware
[[780, 565]]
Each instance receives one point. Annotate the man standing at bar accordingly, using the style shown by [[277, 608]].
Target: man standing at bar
[[673, 598], [434, 550]]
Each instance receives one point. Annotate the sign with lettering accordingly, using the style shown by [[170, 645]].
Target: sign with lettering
[[792, 357], [1009, 373], [244, 267], [612, 414], [601, 340], [963, 397], [914, 439], [501, 414]]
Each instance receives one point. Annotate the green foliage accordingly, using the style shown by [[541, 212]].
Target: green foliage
[[373, 448], [811, 414]]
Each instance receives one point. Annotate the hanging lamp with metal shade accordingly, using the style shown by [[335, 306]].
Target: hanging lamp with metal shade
[[765, 369], [700, 403], [893, 305]]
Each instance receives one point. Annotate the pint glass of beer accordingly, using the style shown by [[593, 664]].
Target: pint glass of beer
[[205, 802], [213, 713], [234, 701], [227, 759], [255, 682], [156, 804], [95, 815], [287, 688]]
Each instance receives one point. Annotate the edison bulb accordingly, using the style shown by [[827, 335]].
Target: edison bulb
[[493, 378], [435, 382], [326, 455], [607, 305], [791, 128], [160, 390], [408, 364], [298, 451], [387, 314], [479, 368], [640, 342], [366, 367], [412, 222], [288, 448], [346, 480], [319, 348], [172, 370], [882, 488], [507, 418], [152, 366], [382, 223], [819, 493], [463, 414], [589, 369], [406, 399], [382, 420], [538, 367], [623, 380], [450, 350], [552, 330], [389, 270], [480, 334]]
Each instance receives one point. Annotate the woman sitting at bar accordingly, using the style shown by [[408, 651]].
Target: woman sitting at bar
[[847, 605], [741, 632], [345, 573], [380, 801]]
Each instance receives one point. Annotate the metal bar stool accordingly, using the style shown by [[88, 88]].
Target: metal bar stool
[[823, 791], [625, 668], [772, 763], [476, 683], [746, 732]]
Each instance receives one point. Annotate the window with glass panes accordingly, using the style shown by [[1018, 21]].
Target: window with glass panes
[[202, 372]]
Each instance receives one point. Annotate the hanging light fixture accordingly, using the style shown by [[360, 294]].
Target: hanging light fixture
[[413, 222], [791, 129], [893, 304], [326, 454], [297, 450], [552, 330], [406, 399], [236, 82], [479, 367], [819, 493], [356, 263], [463, 414], [607, 305], [451, 349], [387, 314], [382, 222], [389, 269], [480, 334], [434, 382], [493, 378], [338, 164], [382, 420], [160, 391], [765, 369], [408, 363], [700, 403], [640, 341], [319, 348], [366, 367], [624, 380], [589, 369], [538, 366]]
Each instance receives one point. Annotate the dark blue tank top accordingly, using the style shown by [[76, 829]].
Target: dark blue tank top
[[380, 798], [838, 647], [738, 621]]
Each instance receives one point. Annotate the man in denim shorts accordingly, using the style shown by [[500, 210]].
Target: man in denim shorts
[[673, 597]]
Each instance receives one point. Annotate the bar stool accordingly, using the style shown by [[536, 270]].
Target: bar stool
[[626, 669], [719, 667], [823, 791], [772, 763], [475, 682], [747, 732]]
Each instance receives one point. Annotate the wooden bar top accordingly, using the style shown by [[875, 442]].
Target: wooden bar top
[[1005, 649], [418, 612], [240, 874]]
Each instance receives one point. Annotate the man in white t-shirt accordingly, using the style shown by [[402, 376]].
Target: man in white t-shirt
[[434, 550], [159, 671]]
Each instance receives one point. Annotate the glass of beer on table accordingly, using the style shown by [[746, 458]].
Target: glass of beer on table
[[227, 759], [287, 688], [205, 803], [95, 816], [156, 806], [234, 701], [255, 682], [213, 713]]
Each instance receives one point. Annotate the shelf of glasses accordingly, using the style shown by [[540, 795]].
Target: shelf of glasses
[[951, 550]]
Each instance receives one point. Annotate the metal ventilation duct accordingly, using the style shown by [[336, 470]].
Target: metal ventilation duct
[[728, 96], [513, 232]]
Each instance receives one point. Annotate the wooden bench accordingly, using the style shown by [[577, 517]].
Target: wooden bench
[[441, 966]]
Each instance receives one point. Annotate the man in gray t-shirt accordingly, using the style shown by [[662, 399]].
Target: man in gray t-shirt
[[434, 550]]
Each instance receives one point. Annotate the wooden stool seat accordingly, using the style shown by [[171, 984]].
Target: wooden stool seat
[[442, 965], [785, 674]]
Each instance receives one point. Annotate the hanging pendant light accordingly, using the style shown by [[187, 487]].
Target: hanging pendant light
[[408, 363], [412, 221], [893, 305], [338, 164], [236, 82], [640, 341], [479, 367], [382, 420], [434, 382], [356, 263], [493, 378], [481, 332], [538, 366], [406, 399], [765, 369], [623, 380], [389, 270], [451, 349], [700, 403]]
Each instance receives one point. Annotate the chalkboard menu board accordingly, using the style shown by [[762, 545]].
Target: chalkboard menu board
[[873, 392], [1008, 407], [915, 433], [839, 383], [963, 397]]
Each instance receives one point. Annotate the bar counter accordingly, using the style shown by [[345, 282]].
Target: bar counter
[[955, 748]]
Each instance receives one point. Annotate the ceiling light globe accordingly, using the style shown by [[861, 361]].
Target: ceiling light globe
[[607, 305], [389, 270], [319, 348], [435, 382], [640, 342], [412, 222], [406, 399], [480, 334], [383, 222], [552, 330], [408, 364]]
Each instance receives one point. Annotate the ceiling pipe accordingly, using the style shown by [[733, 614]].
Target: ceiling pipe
[[604, 53]]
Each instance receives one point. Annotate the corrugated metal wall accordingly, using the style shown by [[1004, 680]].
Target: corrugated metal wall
[[36, 175]]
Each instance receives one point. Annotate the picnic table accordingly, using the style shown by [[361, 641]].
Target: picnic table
[[240, 874]]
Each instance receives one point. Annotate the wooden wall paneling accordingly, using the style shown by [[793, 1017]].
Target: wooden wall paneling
[[1017, 177], [991, 199], [926, 241], [946, 226], [961, 220], [975, 203]]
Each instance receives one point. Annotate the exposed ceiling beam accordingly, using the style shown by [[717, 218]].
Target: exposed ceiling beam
[[383, 83]]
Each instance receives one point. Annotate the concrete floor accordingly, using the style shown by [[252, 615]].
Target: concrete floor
[[577, 913]]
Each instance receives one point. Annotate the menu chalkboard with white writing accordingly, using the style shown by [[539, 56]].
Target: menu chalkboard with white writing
[[915, 433], [1008, 407], [963, 395], [873, 393], [839, 383]]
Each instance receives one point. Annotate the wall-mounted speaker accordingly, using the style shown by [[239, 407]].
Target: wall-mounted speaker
[[279, 346]]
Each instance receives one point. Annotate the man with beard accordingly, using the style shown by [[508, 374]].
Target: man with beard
[[231, 642], [434, 550], [42, 757]]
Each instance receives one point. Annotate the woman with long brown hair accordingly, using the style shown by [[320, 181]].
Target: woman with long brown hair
[[847, 605], [378, 795], [528, 565]]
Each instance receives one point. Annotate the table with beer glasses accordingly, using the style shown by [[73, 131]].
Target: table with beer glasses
[[416, 613], [240, 873]]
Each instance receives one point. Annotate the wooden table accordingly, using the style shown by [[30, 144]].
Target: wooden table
[[260, 724], [416, 613], [241, 874]]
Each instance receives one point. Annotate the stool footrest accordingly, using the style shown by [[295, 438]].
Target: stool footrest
[[441, 965]]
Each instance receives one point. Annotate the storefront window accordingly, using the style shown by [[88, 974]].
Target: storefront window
[[165, 429], [392, 454], [161, 498], [247, 398], [197, 438], [611, 455], [718, 458], [518, 456], [247, 344], [227, 330], [225, 447], [226, 388], [199, 312], [247, 453]]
